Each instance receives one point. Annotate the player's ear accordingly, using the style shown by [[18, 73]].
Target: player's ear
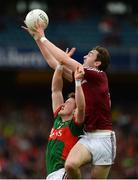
[[97, 63]]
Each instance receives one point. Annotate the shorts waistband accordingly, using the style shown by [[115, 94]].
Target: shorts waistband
[[100, 133]]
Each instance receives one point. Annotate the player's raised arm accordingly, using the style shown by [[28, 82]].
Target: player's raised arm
[[57, 86], [52, 62], [79, 96], [59, 54], [50, 59], [46, 46]]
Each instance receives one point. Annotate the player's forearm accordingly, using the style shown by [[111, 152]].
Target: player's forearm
[[68, 76], [80, 101], [52, 62], [59, 54], [57, 80]]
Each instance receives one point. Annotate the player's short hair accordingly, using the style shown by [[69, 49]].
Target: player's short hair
[[103, 56], [71, 95]]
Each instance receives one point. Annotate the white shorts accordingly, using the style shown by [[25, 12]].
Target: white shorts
[[102, 146], [59, 175]]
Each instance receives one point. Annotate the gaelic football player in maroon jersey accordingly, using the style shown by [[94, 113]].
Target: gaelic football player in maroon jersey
[[98, 145]]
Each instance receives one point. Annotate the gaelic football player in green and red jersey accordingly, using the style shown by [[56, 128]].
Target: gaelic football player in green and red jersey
[[68, 123]]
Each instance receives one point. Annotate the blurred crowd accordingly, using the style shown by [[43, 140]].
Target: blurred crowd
[[24, 133], [23, 137], [125, 121]]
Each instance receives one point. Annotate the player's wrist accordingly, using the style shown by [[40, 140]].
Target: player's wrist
[[42, 39], [59, 67], [77, 82]]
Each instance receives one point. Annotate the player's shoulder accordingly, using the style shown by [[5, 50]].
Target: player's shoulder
[[92, 69]]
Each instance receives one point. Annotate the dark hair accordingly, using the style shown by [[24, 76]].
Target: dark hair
[[71, 95], [103, 56]]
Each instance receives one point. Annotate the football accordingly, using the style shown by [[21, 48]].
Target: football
[[32, 17]]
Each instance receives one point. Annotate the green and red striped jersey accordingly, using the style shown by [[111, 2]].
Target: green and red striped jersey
[[62, 138]]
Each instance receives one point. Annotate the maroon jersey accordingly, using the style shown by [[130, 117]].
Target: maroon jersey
[[96, 91]]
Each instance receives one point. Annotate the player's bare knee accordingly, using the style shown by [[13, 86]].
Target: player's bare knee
[[70, 165]]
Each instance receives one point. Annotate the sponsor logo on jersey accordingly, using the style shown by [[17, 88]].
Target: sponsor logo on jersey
[[55, 133]]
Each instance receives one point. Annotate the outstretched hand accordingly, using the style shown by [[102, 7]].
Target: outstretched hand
[[71, 51], [79, 73], [37, 32]]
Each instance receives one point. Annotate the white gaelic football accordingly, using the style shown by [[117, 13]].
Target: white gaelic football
[[35, 14]]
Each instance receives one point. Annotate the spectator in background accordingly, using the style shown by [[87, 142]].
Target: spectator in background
[[110, 28]]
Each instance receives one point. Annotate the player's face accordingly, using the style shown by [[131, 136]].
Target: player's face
[[90, 59], [68, 107]]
